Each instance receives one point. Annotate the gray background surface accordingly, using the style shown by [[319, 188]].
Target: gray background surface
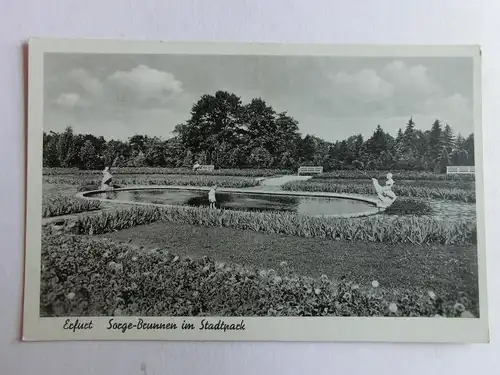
[[314, 21]]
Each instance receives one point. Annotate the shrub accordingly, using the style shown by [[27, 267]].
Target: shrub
[[462, 195], [177, 171], [60, 205], [82, 277], [397, 175], [190, 181], [407, 206], [416, 230]]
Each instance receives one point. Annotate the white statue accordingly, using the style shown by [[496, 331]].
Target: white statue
[[385, 194], [196, 166], [106, 179]]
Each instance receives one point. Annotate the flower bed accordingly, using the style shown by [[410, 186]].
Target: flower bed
[[461, 195], [397, 175], [408, 206], [83, 277], [416, 230], [177, 171], [188, 181], [60, 205]]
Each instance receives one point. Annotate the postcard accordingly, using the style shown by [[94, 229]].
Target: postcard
[[254, 192]]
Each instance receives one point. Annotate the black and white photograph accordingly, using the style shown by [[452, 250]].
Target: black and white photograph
[[246, 192]]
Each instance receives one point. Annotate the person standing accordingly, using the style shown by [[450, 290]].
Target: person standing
[[211, 196]]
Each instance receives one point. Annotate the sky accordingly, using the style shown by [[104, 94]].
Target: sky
[[117, 96]]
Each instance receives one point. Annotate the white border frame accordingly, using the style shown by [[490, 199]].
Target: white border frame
[[35, 328]]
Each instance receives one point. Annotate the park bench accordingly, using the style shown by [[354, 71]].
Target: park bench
[[310, 170], [206, 168], [461, 170]]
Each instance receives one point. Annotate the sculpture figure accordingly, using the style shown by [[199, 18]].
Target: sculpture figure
[[385, 194], [106, 180]]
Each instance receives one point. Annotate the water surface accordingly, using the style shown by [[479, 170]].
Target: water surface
[[311, 206]]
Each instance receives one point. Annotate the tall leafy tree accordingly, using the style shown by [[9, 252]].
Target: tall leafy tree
[[214, 119], [88, 156], [50, 150], [66, 148]]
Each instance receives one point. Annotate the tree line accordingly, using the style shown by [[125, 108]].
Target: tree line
[[223, 131]]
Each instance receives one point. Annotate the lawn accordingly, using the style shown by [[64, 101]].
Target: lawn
[[445, 270]]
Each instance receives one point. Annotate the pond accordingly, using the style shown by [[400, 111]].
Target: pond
[[310, 206]]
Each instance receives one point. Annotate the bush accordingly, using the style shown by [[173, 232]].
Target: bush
[[82, 277], [461, 195], [178, 171], [416, 230], [189, 181], [60, 205], [406, 206], [397, 175]]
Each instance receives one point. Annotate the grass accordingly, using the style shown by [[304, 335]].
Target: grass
[[86, 277], [168, 171], [444, 269], [402, 230], [461, 195]]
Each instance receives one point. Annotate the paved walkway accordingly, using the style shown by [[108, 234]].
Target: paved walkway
[[274, 183]]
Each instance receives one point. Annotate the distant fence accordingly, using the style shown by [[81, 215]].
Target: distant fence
[[463, 169], [308, 170]]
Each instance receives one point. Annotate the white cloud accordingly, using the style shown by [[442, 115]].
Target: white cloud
[[89, 84], [397, 89], [365, 86], [70, 100], [410, 79], [138, 87], [145, 84]]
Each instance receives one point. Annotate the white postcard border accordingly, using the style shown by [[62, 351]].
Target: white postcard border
[[383, 329]]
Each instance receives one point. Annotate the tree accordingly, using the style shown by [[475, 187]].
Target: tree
[[459, 157], [50, 152], [409, 138], [448, 139], [468, 146], [214, 119], [259, 121], [137, 143], [115, 152], [435, 142], [286, 136], [260, 158], [188, 160], [306, 150], [66, 148], [444, 161], [377, 143], [154, 154], [287, 161], [88, 156], [139, 160]]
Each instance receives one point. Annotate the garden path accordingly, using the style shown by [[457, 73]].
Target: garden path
[[274, 183]]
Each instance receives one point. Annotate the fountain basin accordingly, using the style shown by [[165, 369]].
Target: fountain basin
[[316, 204]]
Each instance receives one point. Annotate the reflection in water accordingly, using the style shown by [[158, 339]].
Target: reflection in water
[[248, 202]]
